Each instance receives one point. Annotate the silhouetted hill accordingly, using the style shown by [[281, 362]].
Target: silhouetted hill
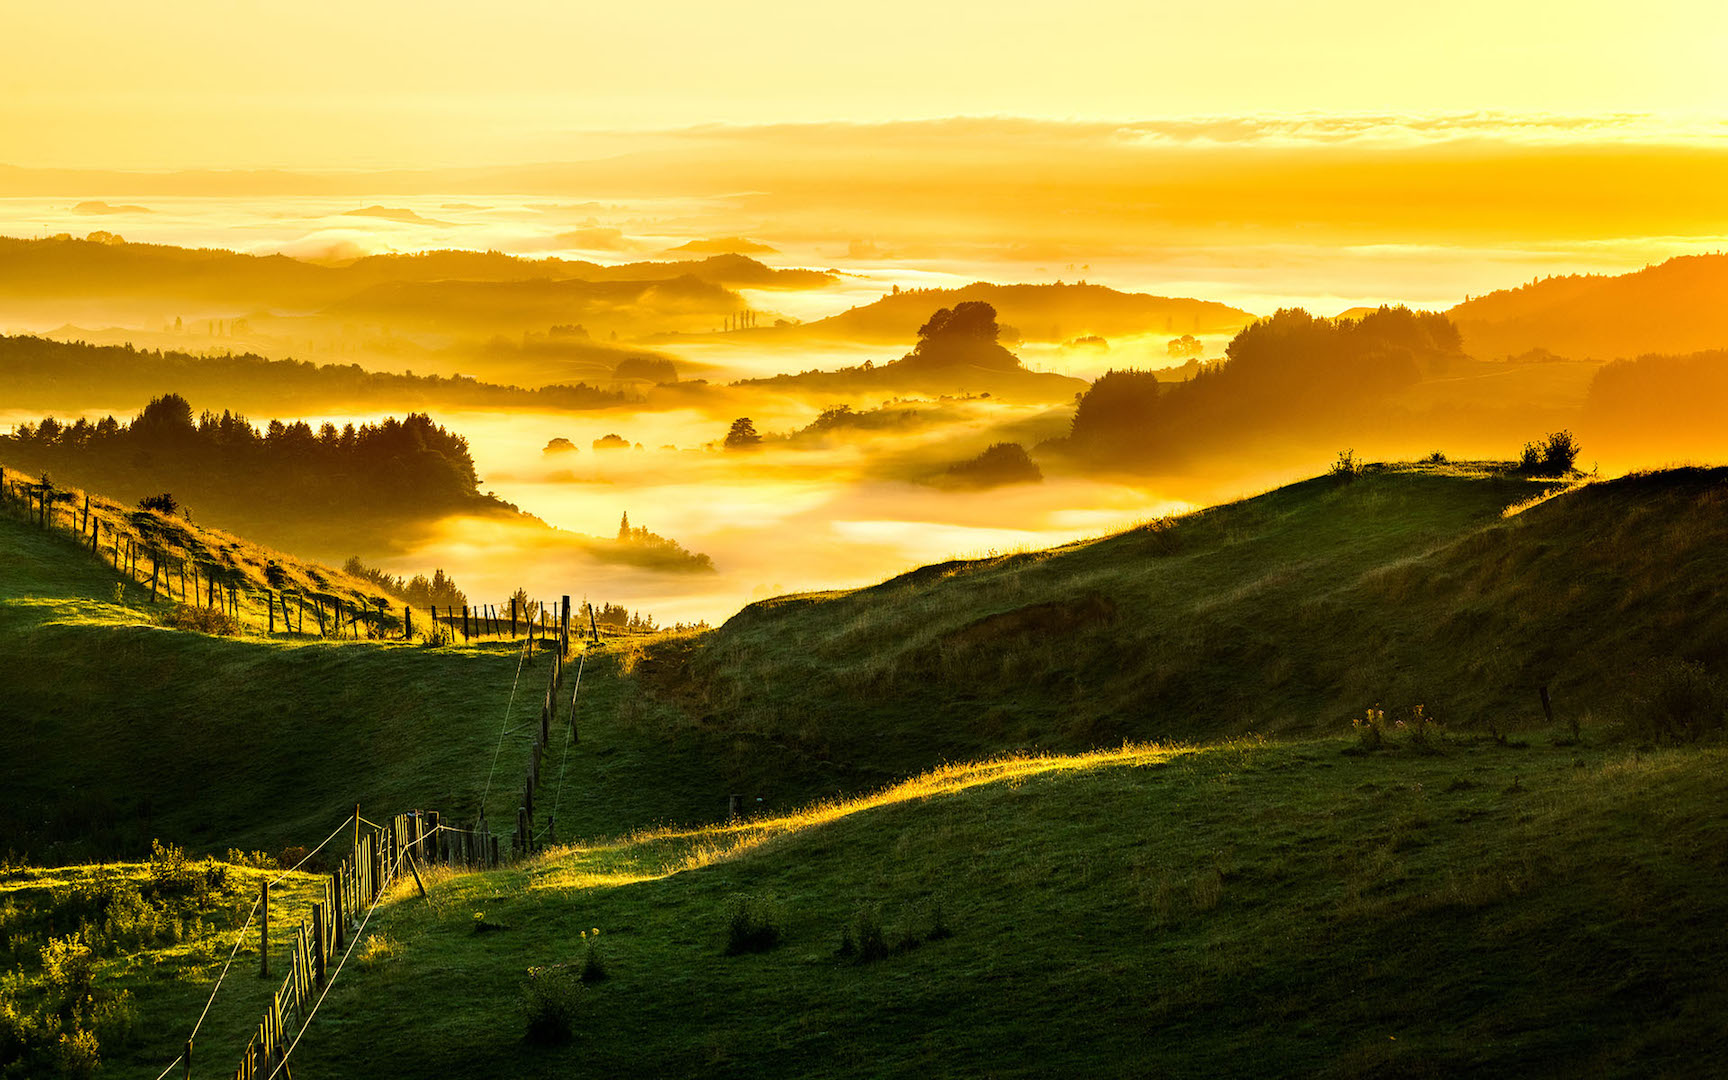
[[37, 373], [65, 279], [504, 306], [1288, 381], [1679, 306], [1038, 312], [1666, 408], [957, 352], [725, 268]]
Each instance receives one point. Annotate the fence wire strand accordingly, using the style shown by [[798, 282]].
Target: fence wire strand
[[504, 728], [569, 738]]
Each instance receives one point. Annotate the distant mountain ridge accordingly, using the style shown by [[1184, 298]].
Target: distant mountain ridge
[[1044, 312], [1678, 306], [37, 271]]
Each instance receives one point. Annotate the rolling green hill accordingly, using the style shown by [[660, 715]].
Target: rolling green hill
[[1492, 895], [1245, 909], [1286, 613]]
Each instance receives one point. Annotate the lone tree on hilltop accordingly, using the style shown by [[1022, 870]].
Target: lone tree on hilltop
[[743, 435], [970, 318]]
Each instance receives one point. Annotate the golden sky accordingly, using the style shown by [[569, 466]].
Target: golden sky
[[389, 83]]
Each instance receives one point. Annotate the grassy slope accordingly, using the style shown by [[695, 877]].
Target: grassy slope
[[1243, 908], [1270, 909], [184, 545], [117, 729], [114, 729], [1289, 612]]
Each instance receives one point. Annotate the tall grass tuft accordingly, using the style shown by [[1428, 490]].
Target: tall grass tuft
[[551, 999], [752, 925]]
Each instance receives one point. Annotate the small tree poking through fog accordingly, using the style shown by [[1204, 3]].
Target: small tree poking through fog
[[743, 435]]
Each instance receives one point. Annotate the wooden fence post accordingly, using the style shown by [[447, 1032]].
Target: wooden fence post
[[264, 929], [564, 629], [318, 943], [512, 618], [338, 909]]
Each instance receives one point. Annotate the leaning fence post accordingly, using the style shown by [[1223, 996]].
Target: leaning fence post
[[318, 943], [264, 929], [188, 1059]]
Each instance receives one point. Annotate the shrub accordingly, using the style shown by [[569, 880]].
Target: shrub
[[378, 948], [203, 620], [165, 503], [169, 870], [863, 939], [438, 635], [75, 1056], [1680, 701], [1554, 454], [257, 860], [1346, 468], [1420, 727], [550, 1000], [751, 926], [115, 1019], [1371, 729], [68, 972]]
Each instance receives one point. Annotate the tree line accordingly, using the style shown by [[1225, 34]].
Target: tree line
[[223, 462]]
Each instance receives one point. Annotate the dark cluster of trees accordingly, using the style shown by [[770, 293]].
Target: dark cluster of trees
[[418, 591], [221, 461], [650, 548], [655, 369], [1661, 405], [1283, 378], [965, 334], [742, 435], [1001, 463]]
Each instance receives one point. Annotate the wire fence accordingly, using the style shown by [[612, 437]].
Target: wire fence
[[324, 939], [161, 554]]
